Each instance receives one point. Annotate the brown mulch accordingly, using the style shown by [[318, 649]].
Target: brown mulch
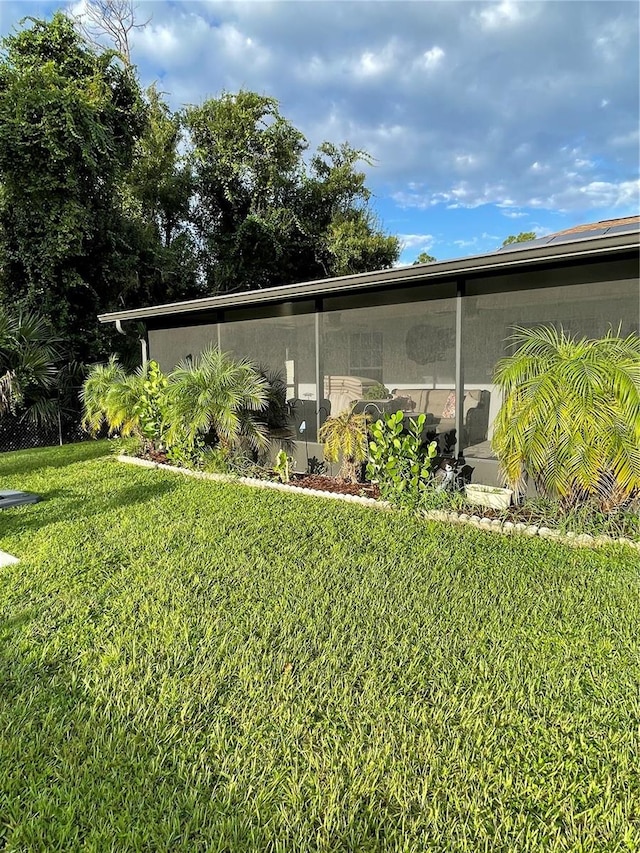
[[315, 482], [319, 482]]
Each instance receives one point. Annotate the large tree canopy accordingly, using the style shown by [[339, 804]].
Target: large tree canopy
[[69, 119], [109, 200], [264, 218]]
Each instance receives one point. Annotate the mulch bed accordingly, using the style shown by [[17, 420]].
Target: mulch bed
[[318, 482], [315, 482]]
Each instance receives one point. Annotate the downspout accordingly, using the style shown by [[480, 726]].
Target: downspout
[[144, 347]]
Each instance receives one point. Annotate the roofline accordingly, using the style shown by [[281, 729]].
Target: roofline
[[503, 260]]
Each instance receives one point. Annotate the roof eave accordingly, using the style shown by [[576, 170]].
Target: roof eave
[[399, 275]]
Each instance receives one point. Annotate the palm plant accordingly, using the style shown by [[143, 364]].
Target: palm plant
[[129, 404], [216, 394], [345, 437], [570, 417], [28, 356], [95, 395]]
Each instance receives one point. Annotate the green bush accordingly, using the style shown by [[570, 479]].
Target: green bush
[[377, 392], [127, 404], [398, 461]]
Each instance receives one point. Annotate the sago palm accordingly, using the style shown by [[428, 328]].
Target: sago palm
[[570, 417], [217, 394], [345, 437]]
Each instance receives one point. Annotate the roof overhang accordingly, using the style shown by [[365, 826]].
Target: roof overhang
[[496, 262]]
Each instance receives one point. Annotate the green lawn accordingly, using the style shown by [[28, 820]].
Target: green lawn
[[194, 666]]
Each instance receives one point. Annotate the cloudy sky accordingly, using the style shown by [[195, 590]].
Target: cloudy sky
[[484, 119]]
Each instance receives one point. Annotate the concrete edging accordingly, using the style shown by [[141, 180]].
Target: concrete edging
[[8, 559], [492, 525]]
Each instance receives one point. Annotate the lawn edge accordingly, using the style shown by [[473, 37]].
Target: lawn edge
[[490, 525], [8, 559]]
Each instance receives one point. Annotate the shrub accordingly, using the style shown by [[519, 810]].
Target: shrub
[[377, 392], [570, 419], [398, 461], [127, 404], [217, 397]]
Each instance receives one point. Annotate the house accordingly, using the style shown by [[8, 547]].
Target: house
[[431, 334]]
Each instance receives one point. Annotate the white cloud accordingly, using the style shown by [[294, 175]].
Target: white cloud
[[516, 121], [432, 58], [497, 15], [423, 242]]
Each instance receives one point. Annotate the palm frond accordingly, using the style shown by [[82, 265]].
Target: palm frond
[[570, 417]]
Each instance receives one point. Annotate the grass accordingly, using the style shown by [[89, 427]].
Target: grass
[[193, 666]]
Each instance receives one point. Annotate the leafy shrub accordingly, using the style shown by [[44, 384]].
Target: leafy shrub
[[28, 366], [570, 419], [397, 459], [127, 404], [282, 466], [217, 397]]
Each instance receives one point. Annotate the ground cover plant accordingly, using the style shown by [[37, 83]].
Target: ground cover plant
[[187, 665]]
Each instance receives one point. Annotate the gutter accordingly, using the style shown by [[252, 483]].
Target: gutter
[[496, 261]]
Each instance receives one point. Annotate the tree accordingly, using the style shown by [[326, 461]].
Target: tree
[[570, 417], [28, 361], [342, 234], [69, 119], [522, 237], [157, 195], [246, 159], [110, 20], [264, 219], [424, 258]]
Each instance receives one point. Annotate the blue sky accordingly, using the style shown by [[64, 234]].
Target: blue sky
[[484, 119]]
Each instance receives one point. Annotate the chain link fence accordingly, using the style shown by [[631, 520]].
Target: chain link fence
[[17, 433]]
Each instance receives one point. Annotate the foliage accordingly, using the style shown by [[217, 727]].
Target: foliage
[[425, 258], [187, 452], [345, 437], [157, 196], [229, 460], [69, 118], [316, 466], [219, 397], [28, 357], [282, 466], [150, 408], [262, 218], [570, 417], [398, 462], [522, 237], [109, 199], [185, 662], [377, 392], [128, 404]]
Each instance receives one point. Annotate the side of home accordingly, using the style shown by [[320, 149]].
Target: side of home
[[420, 339]]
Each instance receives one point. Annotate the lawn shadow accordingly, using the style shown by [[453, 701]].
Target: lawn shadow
[[22, 462], [73, 507], [79, 771]]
